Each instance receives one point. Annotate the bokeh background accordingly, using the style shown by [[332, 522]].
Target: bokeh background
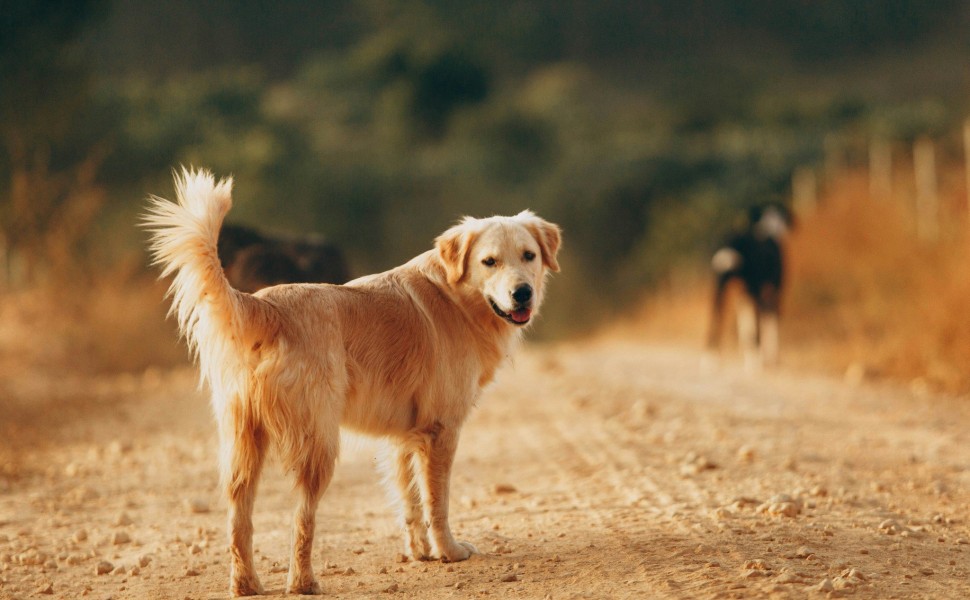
[[643, 128]]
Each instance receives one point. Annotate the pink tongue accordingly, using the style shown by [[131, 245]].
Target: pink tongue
[[522, 315]]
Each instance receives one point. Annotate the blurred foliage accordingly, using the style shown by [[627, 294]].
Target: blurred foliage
[[642, 128]]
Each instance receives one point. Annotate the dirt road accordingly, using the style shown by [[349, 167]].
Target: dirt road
[[605, 471]]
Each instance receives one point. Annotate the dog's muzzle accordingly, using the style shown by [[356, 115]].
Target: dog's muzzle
[[521, 310]]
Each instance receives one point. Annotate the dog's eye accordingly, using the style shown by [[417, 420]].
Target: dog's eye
[[529, 256], [489, 262]]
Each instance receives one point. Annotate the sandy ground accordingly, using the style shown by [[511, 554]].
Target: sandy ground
[[605, 471]]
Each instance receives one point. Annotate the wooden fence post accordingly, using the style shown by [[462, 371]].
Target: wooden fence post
[[804, 191], [880, 169], [927, 196], [966, 157]]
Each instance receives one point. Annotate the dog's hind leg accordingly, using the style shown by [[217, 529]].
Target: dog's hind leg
[[243, 450], [435, 459], [769, 338], [313, 473], [399, 472]]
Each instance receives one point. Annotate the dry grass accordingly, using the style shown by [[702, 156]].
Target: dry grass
[[864, 295], [116, 324]]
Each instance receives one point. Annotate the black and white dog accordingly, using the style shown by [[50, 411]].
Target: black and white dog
[[752, 262]]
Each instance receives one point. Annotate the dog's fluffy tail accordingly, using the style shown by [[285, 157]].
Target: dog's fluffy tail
[[184, 235]]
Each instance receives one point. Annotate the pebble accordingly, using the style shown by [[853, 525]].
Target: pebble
[[123, 520], [504, 488], [119, 447], [826, 586], [819, 491], [195, 549], [196, 506], [120, 537], [46, 588], [783, 509], [890, 527], [144, 560], [401, 558], [789, 578], [80, 535], [103, 567], [391, 588], [191, 573], [746, 453], [510, 578], [758, 563], [348, 571]]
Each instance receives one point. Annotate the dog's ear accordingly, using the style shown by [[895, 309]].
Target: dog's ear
[[547, 234], [453, 246]]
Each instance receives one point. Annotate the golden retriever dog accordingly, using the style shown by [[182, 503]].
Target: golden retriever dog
[[402, 355]]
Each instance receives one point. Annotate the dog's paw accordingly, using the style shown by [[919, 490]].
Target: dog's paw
[[417, 547], [245, 586], [458, 552], [308, 587]]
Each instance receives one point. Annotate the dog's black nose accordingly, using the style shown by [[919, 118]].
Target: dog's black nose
[[522, 294]]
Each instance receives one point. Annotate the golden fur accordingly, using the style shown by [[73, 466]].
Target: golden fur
[[401, 355]]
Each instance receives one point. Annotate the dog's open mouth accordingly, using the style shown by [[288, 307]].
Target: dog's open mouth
[[519, 316]]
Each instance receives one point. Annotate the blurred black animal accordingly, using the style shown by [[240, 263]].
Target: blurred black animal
[[253, 260], [750, 269]]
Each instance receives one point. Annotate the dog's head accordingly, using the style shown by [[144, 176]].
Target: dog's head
[[506, 259]]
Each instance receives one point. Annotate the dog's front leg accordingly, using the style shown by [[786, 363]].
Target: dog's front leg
[[400, 479], [435, 465]]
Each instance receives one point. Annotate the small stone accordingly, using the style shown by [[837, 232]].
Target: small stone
[[80, 535], [504, 488], [191, 573], [46, 589], [103, 568], [348, 571], [783, 509], [196, 506], [826, 586], [788, 578], [123, 520], [135, 571], [119, 447], [120, 537], [926, 571], [195, 549], [144, 560], [359, 551], [382, 571], [819, 491], [391, 588], [746, 453], [890, 527], [119, 570], [401, 558], [804, 552], [510, 578]]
